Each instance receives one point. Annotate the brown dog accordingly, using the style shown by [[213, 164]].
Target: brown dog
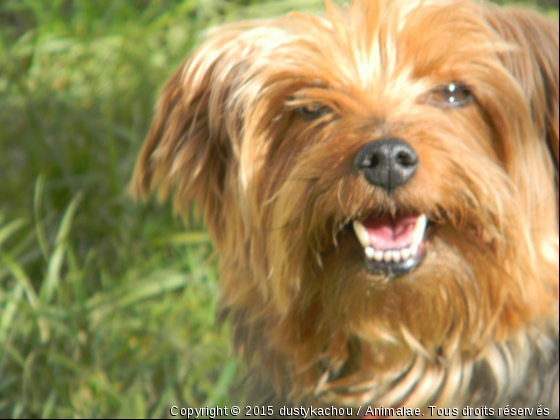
[[381, 185]]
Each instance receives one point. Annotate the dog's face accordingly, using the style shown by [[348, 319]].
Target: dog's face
[[380, 184]]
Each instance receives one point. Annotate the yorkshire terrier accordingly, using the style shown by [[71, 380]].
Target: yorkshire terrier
[[381, 184]]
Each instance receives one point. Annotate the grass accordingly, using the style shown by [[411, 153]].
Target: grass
[[106, 306]]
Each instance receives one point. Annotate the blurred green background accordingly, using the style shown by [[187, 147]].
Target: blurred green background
[[106, 306]]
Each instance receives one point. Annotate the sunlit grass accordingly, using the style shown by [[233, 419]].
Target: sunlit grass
[[106, 306]]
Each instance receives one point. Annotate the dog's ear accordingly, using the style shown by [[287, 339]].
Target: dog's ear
[[534, 64], [189, 146]]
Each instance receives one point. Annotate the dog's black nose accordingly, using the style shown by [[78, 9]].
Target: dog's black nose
[[387, 163]]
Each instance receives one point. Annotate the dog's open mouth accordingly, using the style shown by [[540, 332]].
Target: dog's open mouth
[[393, 246]]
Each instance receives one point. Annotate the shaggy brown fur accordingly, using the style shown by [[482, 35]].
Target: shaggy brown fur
[[261, 127]]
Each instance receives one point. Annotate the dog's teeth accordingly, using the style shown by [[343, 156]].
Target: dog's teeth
[[388, 256], [362, 234], [370, 252], [396, 256], [419, 230], [405, 254], [378, 256], [414, 250]]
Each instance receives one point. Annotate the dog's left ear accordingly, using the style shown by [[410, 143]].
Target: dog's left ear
[[534, 65]]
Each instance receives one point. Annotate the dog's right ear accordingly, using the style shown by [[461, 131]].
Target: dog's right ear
[[534, 64], [189, 145]]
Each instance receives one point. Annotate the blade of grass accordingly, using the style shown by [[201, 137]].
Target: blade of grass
[[19, 274], [37, 211], [9, 229], [150, 289], [27, 376], [8, 314], [57, 258], [59, 359], [225, 380], [8, 325], [187, 238], [48, 408], [99, 307]]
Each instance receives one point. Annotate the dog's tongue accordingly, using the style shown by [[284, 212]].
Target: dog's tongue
[[388, 233]]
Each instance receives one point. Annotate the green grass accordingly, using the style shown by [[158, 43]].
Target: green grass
[[106, 306]]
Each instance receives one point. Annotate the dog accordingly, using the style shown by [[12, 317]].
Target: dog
[[381, 184]]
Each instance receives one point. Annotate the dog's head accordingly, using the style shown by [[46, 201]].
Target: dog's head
[[381, 184]]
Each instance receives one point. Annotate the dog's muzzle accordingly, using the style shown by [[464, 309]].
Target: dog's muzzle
[[393, 245]]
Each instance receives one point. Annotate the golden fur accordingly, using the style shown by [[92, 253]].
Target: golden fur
[[477, 322]]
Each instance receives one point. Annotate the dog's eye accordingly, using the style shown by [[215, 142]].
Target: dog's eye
[[452, 95], [313, 110]]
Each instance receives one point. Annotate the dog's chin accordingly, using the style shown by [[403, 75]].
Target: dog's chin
[[393, 246]]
